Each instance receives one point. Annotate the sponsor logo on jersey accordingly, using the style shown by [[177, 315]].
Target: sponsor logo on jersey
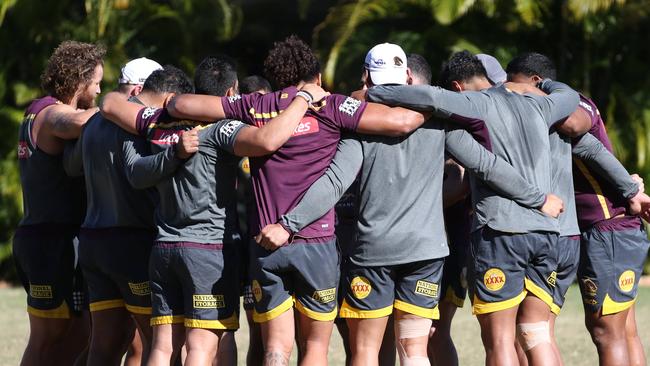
[[23, 150], [208, 301], [426, 288], [40, 291], [140, 288], [234, 98], [306, 126], [166, 137], [148, 112], [350, 106], [324, 296], [284, 96], [494, 279], [626, 281], [552, 279], [360, 287], [246, 166], [257, 290], [229, 128], [589, 286]]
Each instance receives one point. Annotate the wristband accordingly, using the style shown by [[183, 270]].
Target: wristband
[[306, 96]]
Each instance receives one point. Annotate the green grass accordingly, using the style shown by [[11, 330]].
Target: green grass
[[575, 345]]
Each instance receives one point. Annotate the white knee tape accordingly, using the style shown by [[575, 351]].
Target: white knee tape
[[530, 335], [413, 327]]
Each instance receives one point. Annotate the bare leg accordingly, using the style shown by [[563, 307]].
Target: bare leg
[[227, 353], [412, 334], [534, 310], [498, 336], [277, 336], [202, 346], [111, 333], [366, 336], [166, 345], [634, 346], [441, 347], [255, 355], [134, 352]]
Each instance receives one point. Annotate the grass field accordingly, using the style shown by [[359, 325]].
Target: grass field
[[575, 345]]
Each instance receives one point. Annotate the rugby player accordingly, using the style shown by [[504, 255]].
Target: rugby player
[[306, 272], [610, 243], [195, 246], [43, 243], [499, 286], [133, 75], [118, 232], [400, 201]]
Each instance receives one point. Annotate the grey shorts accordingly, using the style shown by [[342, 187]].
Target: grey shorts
[[302, 274], [195, 284], [568, 256], [505, 267], [612, 255]]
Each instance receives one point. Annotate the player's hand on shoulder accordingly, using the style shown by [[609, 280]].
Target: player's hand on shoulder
[[316, 91], [188, 143], [553, 206], [272, 237]]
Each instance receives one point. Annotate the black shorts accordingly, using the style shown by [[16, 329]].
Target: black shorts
[[458, 222], [45, 261], [505, 267], [195, 284], [304, 275], [115, 263], [373, 292], [612, 254], [568, 256]]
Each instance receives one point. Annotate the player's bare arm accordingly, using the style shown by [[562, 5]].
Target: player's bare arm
[[116, 108], [265, 140], [204, 108], [378, 119], [65, 122]]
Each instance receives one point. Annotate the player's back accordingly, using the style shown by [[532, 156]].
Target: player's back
[[111, 200], [49, 195]]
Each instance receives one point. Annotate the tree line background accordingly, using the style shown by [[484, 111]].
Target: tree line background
[[599, 46]]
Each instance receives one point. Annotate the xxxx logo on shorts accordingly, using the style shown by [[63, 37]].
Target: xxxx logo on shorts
[[40, 291], [494, 279], [324, 296], [257, 290], [140, 289], [626, 281], [360, 287]]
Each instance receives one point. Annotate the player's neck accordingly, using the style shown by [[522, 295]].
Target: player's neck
[[151, 99]]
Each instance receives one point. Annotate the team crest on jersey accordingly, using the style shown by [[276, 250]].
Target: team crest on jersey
[[40, 291], [306, 126], [257, 290], [589, 286], [234, 98], [426, 288], [208, 301], [360, 287], [324, 296], [23, 150], [140, 289], [626, 281], [148, 112], [350, 106], [229, 128], [552, 279], [494, 279]]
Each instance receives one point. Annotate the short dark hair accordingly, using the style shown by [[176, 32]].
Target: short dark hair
[[532, 63], [71, 65], [215, 74], [419, 67], [253, 83], [462, 66], [289, 62], [169, 79]]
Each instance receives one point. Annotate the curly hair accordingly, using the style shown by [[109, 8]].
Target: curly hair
[[462, 66], [289, 62], [72, 64]]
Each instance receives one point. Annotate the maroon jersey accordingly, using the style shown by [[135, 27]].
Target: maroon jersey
[[49, 195], [596, 198], [280, 180]]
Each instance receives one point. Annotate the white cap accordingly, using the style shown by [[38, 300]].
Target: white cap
[[495, 72], [386, 63], [138, 70]]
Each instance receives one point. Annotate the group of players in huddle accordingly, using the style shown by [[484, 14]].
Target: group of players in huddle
[[346, 207]]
